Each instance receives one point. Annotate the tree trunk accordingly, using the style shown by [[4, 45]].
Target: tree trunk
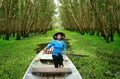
[[7, 31], [18, 36]]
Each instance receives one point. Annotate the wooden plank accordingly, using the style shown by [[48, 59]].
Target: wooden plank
[[51, 70], [59, 76]]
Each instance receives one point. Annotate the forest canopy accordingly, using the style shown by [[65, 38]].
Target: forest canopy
[[22, 17], [95, 17]]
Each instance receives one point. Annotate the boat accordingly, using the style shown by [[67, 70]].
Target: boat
[[42, 67]]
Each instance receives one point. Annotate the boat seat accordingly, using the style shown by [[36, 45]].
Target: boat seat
[[51, 71], [46, 57]]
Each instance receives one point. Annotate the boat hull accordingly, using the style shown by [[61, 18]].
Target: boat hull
[[36, 63]]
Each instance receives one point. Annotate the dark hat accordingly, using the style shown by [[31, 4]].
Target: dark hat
[[62, 35]]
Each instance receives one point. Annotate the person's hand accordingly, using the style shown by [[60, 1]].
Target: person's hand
[[44, 50], [49, 51]]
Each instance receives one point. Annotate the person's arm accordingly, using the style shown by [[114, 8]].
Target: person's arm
[[64, 47], [50, 45]]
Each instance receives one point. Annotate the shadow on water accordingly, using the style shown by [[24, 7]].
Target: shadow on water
[[40, 47]]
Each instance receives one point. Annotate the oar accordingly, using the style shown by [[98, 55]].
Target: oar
[[76, 54], [68, 53]]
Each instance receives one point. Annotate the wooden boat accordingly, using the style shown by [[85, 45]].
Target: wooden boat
[[42, 68]]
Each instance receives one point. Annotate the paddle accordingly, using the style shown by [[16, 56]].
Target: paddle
[[75, 54]]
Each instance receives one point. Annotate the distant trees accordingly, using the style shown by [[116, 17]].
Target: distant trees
[[100, 17], [22, 17]]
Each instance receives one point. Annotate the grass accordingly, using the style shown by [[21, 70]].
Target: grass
[[98, 60]]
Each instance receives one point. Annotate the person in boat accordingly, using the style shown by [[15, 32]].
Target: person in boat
[[59, 46]]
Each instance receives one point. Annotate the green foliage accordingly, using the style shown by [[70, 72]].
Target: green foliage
[[97, 60], [15, 56]]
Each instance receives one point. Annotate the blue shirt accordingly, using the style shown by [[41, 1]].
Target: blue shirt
[[58, 47]]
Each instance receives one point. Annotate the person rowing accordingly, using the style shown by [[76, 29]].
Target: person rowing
[[59, 46]]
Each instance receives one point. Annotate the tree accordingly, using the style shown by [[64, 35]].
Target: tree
[[22, 17], [92, 16]]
